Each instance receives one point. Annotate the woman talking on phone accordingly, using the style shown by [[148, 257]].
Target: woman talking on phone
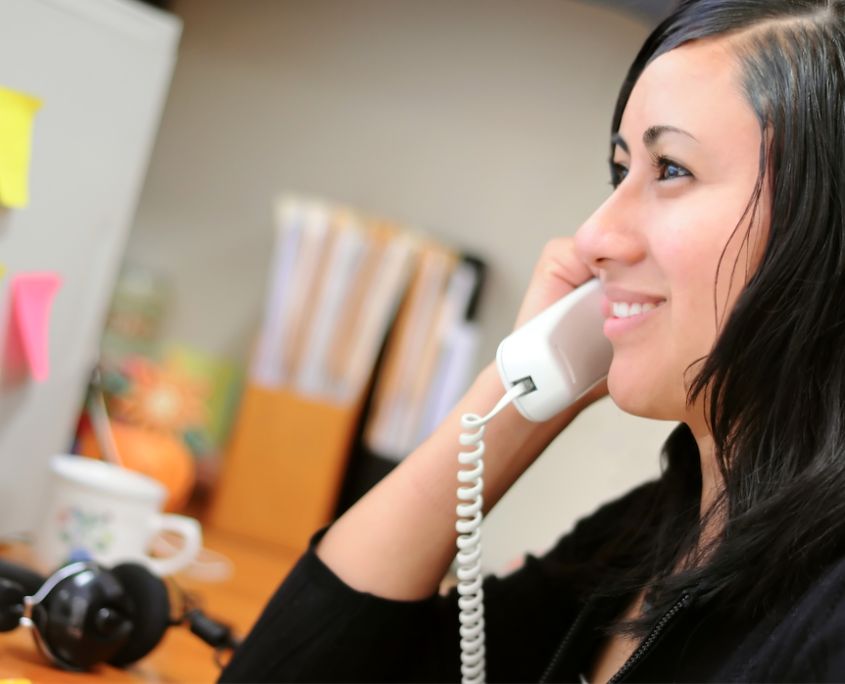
[[728, 218]]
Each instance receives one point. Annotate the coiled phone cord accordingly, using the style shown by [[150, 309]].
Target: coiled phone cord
[[471, 601]]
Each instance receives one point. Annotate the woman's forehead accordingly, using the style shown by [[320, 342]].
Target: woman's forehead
[[696, 88]]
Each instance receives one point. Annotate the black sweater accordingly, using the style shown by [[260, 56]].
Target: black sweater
[[316, 628]]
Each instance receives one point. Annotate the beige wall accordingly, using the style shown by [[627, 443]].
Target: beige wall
[[484, 122]]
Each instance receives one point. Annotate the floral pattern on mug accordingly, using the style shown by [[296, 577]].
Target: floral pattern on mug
[[85, 531]]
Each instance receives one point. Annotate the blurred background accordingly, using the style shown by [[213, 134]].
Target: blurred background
[[482, 123], [464, 135]]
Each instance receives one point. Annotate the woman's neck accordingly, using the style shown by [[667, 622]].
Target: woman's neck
[[711, 476], [711, 520]]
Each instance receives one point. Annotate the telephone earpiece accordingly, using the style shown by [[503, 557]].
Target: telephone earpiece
[[84, 614]]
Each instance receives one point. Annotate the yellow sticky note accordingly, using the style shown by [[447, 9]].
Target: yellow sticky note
[[16, 114]]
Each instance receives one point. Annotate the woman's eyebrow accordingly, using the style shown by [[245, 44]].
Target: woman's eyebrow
[[653, 133], [650, 137]]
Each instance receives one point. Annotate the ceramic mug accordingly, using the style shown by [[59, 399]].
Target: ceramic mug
[[102, 512]]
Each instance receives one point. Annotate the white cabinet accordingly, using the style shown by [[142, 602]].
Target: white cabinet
[[102, 69]]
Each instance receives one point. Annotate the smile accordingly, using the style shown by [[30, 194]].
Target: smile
[[625, 310]]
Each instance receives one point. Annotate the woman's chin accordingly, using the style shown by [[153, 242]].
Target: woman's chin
[[644, 396]]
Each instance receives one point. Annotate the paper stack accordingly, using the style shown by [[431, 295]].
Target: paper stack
[[430, 354], [336, 282]]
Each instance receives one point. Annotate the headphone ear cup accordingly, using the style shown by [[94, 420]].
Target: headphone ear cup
[[11, 604], [150, 611], [29, 580], [16, 582]]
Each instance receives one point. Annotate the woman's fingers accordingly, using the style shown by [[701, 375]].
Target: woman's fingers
[[558, 272]]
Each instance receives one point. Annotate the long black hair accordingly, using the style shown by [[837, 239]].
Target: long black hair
[[774, 383]]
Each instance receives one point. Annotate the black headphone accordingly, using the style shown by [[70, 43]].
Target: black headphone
[[84, 614]]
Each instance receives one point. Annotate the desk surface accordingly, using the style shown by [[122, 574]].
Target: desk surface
[[181, 656]]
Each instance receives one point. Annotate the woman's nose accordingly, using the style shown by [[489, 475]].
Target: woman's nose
[[611, 235]]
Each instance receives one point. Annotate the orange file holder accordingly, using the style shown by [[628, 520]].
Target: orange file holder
[[282, 474]]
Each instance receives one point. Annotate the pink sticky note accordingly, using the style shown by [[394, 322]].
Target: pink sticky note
[[29, 338]]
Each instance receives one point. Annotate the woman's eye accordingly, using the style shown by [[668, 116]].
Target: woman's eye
[[667, 169], [617, 173]]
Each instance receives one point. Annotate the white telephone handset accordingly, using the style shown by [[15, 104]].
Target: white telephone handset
[[545, 365], [563, 350]]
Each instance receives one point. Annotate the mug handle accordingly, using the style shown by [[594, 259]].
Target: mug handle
[[190, 530]]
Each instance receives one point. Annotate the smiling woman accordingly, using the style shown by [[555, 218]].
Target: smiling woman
[[721, 253], [681, 193]]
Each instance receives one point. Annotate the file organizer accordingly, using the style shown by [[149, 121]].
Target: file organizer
[[315, 357], [282, 474], [336, 281]]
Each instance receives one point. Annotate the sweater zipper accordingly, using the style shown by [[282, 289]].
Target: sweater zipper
[[563, 644], [644, 647]]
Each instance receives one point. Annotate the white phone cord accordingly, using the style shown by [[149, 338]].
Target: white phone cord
[[471, 601]]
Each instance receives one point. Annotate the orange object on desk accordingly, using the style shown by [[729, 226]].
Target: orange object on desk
[[162, 456], [281, 477], [181, 656]]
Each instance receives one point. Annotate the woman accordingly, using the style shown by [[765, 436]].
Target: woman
[[728, 161]]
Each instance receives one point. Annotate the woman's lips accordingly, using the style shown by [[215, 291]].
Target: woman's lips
[[628, 311]]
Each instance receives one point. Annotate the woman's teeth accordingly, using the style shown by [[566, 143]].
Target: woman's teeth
[[623, 309]]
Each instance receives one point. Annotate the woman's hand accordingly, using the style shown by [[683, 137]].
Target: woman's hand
[[558, 272]]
